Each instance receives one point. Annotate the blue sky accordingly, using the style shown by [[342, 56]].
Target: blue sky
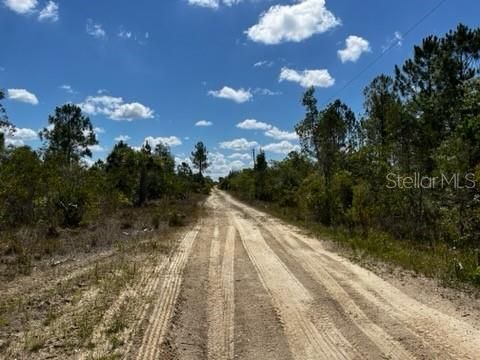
[[154, 69]]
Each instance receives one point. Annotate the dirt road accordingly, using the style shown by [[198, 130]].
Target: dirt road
[[255, 288]]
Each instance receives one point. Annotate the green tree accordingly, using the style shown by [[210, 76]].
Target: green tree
[[69, 136], [122, 169], [261, 177], [20, 187], [329, 135], [200, 158]]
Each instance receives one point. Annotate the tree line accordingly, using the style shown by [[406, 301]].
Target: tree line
[[423, 121], [53, 186]]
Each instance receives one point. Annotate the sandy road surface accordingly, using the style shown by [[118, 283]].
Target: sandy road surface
[[255, 288]]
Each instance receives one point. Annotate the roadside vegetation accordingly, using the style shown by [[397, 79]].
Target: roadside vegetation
[[354, 179], [76, 237]]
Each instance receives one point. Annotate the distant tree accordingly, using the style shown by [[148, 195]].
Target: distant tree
[[200, 158], [70, 135], [261, 177], [327, 133], [184, 170], [121, 167]]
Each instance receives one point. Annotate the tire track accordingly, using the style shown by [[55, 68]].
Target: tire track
[[221, 298], [440, 335], [450, 338], [292, 301], [390, 348], [165, 303]]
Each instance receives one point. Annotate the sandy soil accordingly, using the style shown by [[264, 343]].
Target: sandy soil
[[241, 284], [272, 292]]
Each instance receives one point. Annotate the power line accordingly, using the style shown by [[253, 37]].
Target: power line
[[390, 47]]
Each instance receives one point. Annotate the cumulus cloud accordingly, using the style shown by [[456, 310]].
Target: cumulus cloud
[[95, 30], [241, 144], [168, 141], [22, 95], [252, 124], [221, 166], [123, 138], [96, 148], [239, 96], [19, 136], [283, 147], [355, 46], [49, 12], [278, 134], [269, 130], [240, 156], [203, 123], [307, 78], [297, 22], [213, 4], [96, 131], [21, 6], [115, 108]]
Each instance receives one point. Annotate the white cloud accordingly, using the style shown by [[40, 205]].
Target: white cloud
[[307, 78], [238, 144], [213, 4], [203, 123], [95, 30], [221, 166], [123, 138], [49, 12], [115, 108], [278, 134], [19, 136], [263, 63], [269, 130], [283, 147], [252, 124], [21, 6], [96, 148], [240, 156], [396, 40], [96, 131], [355, 46], [67, 88], [22, 95], [123, 34], [239, 96], [132, 111], [169, 141], [295, 22], [266, 92]]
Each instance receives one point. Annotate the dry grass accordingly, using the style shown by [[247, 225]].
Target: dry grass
[[56, 287]]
